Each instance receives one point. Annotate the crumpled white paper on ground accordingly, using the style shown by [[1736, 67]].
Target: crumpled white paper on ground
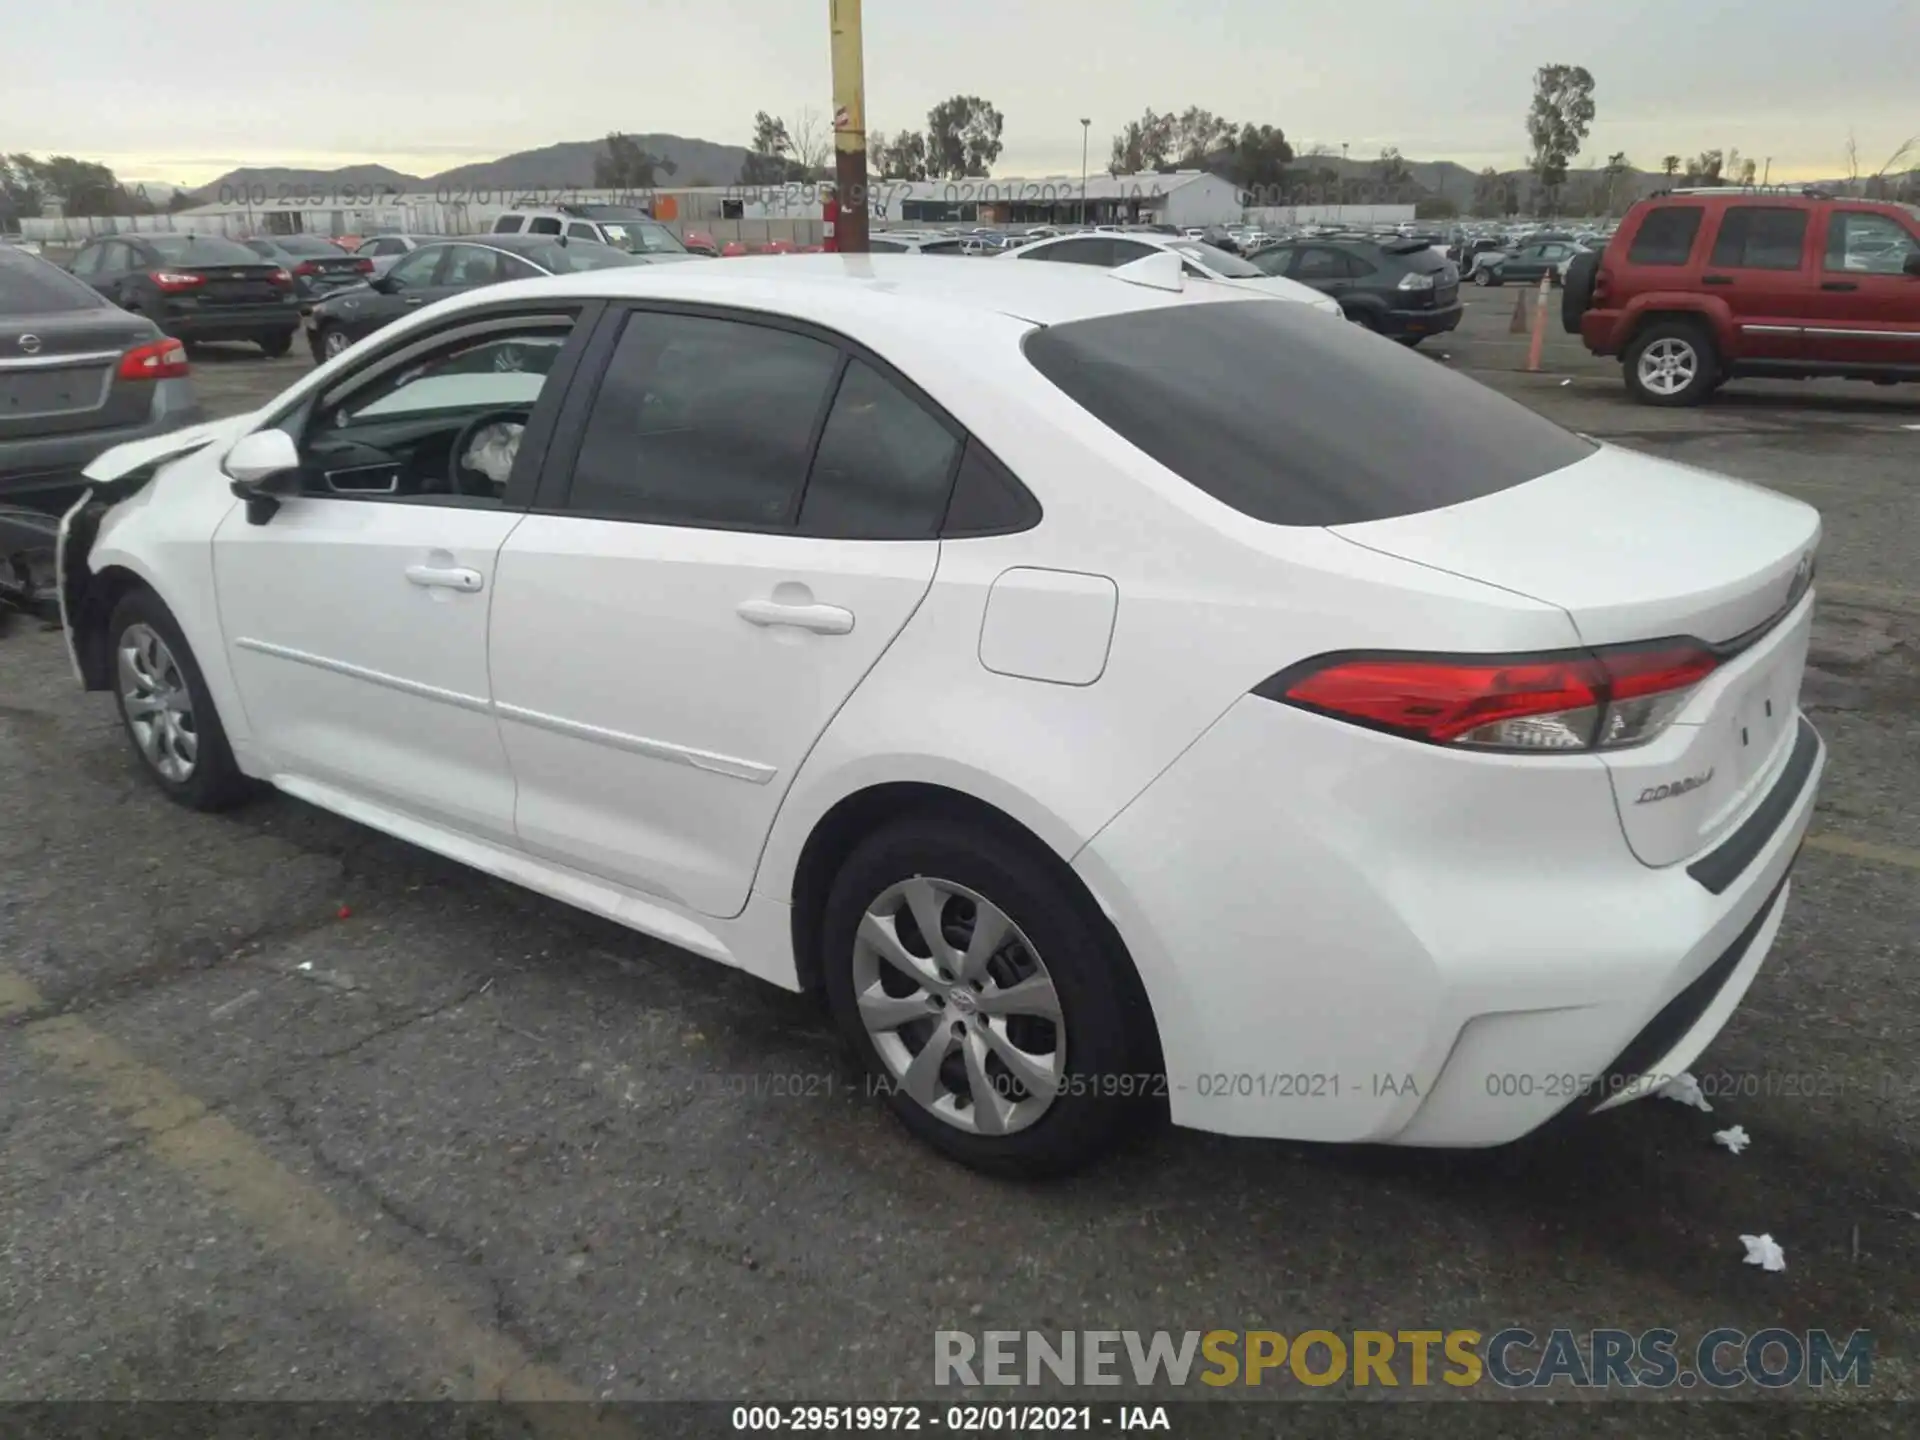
[[1683, 1089], [1764, 1252], [1735, 1139]]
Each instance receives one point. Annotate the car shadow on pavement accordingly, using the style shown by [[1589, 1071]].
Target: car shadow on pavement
[[1888, 400]]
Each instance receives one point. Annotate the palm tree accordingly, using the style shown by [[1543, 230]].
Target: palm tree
[[1671, 165]]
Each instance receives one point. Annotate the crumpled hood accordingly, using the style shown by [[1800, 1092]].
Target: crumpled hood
[[122, 460]]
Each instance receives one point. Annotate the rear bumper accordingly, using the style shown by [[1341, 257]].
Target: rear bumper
[[1373, 950], [1423, 322], [44, 473], [232, 322], [1600, 331]]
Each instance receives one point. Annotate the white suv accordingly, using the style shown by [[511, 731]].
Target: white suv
[[621, 226]]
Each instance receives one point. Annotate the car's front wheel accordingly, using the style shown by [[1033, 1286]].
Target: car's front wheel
[[1485, 276], [1671, 363], [333, 341], [984, 1001], [166, 710]]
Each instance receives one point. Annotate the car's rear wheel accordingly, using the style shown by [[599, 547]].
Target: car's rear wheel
[[166, 710], [1671, 363], [1357, 315], [275, 345], [982, 998]]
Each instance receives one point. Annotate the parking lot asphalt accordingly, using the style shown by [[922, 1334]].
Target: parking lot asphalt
[[294, 1111]]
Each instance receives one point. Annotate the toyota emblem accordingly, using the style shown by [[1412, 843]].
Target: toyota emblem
[[30, 344]]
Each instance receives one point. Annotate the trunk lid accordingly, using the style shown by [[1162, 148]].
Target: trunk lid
[[233, 284], [57, 372], [1636, 549]]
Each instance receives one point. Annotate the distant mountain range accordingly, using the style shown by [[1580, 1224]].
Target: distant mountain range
[[566, 165]]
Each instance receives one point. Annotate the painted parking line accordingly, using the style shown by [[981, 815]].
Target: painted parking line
[[473, 1360], [1865, 850]]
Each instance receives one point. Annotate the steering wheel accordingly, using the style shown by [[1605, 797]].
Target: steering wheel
[[481, 457]]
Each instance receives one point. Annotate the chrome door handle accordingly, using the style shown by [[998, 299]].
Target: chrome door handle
[[447, 579], [820, 619]]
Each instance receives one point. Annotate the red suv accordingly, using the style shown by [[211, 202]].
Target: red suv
[[1700, 286]]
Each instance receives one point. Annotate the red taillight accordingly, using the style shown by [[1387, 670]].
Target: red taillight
[[1571, 701], [363, 265], [161, 360], [306, 267], [171, 282], [280, 278]]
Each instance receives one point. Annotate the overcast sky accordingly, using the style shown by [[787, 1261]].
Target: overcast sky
[[184, 92]]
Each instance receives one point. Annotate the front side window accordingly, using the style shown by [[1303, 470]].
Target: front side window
[[1861, 241], [580, 230], [884, 467], [1319, 264], [443, 426], [416, 271], [1757, 237], [87, 262], [470, 265], [702, 421]]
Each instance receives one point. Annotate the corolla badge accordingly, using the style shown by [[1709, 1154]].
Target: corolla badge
[[1675, 788]]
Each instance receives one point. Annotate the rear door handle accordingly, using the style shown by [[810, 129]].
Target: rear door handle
[[449, 578], [820, 619], [415, 300], [1839, 285], [1716, 279]]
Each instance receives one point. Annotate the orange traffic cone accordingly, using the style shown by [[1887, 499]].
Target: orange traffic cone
[[1519, 325]]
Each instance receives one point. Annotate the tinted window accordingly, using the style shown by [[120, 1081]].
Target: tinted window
[[884, 465], [1219, 261], [200, 250], [543, 225], [1125, 252], [1272, 261], [507, 225], [1293, 421], [1666, 235], [308, 245], [558, 259], [1754, 237], [1859, 240], [88, 260], [703, 422], [1319, 264], [33, 287], [1090, 251]]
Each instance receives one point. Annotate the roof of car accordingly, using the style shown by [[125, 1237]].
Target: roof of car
[[831, 288], [500, 241]]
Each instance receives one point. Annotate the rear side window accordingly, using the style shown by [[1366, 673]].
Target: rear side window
[[507, 225], [703, 422], [33, 287], [884, 467], [543, 225], [1757, 237], [1294, 419], [1666, 236]]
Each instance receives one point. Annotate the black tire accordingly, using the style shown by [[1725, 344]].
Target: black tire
[[215, 782], [1487, 275], [1688, 335], [1412, 341], [1362, 317], [324, 337], [275, 345], [1576, 295], [1104, 1070]]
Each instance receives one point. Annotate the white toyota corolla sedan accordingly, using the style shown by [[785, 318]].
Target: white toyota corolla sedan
[[1109, 692]]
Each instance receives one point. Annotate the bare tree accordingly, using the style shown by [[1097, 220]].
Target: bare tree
[[1900, 157], [1853, 161], [812, 142]]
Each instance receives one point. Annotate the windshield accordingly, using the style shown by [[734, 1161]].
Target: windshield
[[1232, 267], [201, 250], [577, 255], [1293, 421], [642, 237]]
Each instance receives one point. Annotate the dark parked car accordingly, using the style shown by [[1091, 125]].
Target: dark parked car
[[1528, 263], [196, 287], [1404, 289], [448, 267], [77, 376], [319, 267]]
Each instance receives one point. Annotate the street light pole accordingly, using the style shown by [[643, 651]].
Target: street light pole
[[849, 129], [1086, 127]]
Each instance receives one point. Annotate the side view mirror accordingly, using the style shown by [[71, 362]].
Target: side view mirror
[[1912, 267], [262, 467], [385, 284]]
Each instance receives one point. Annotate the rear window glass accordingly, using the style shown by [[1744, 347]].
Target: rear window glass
[[201, 250], [308, 245], [1293, 418], [1756, 237], [1666, 236], [33, 287]]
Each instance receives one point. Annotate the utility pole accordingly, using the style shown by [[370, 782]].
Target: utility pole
[[849, 129], [1764, 179], [1085, 128]]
